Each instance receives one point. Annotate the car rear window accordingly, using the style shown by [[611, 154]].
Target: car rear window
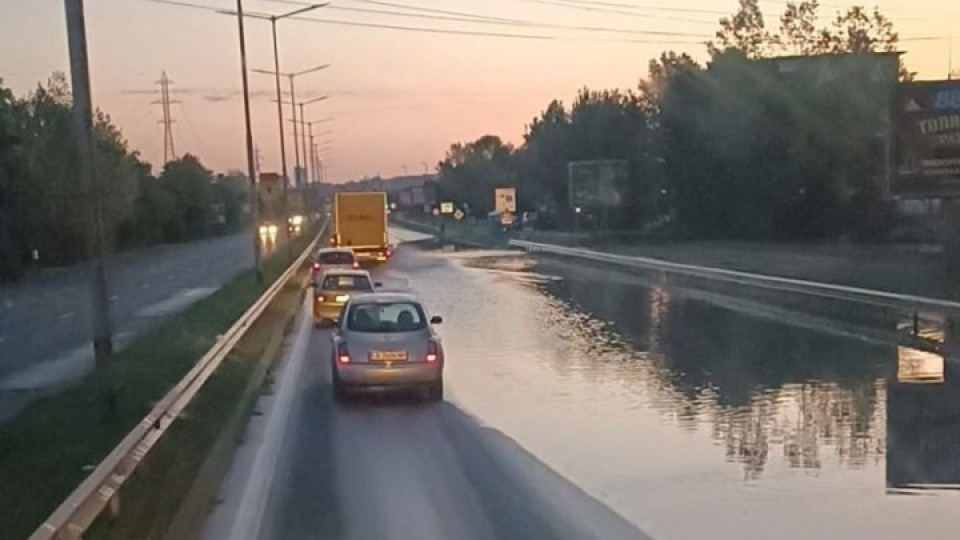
[[336, 257], [386, 317], [346, 283]]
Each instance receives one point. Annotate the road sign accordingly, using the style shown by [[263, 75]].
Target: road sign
[[505, 200], [458, 215]]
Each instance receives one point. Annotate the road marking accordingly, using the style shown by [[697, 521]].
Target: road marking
[[8, 304], [176, 302], [171, 276], [68, 315], [253, 501], [145, 286], [3, 338], [70, 366], [114, 298]]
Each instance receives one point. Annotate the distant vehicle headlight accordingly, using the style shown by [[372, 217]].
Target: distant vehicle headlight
[[272, 229], [296, 220]]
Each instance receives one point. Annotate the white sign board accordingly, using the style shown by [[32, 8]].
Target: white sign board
[[505, 200]]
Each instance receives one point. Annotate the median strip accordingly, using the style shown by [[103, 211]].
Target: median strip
[[52, 445]]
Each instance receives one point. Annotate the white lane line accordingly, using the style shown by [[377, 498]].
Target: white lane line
[[70, 366], [68, 315], [145, 286], [171, 276], [3, 338], [114, 298], [176, 302], [250, 513]]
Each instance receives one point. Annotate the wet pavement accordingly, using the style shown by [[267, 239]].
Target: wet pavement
[[689, 414]]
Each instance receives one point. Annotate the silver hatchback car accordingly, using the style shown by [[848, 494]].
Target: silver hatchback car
[[385, 340]]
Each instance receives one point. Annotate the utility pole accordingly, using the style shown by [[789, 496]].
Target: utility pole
[[83, 138], [251, 166], [313, 154], [304, 134], [283, 143], [169, 152]]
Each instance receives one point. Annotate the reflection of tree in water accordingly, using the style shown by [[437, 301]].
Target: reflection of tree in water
[[764, 387]]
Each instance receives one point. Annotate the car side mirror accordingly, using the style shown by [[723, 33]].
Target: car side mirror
[[436, 319]]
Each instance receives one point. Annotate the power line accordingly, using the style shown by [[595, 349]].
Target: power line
[[606, 8], [472, 18], [193, 130], [474, 33], [484, 19]]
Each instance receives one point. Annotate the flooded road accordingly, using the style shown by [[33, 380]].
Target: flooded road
[[689, 415], [691, 418]]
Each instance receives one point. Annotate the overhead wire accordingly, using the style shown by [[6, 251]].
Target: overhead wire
[[474, 33], [459, 16]]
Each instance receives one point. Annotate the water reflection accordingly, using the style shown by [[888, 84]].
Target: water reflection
[[766, 391], [268, 241]]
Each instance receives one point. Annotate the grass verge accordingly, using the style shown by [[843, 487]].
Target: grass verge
[[47, 450]]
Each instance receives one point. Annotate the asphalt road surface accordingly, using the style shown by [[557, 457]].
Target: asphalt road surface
[[44, 321], [586, 403]]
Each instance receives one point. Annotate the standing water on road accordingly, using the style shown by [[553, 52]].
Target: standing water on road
[[690, 419]]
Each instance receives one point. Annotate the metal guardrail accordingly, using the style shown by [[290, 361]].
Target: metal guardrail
[[99, 490], [905, 302]]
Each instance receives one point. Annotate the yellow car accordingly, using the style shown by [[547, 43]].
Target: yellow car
[[334, 288]]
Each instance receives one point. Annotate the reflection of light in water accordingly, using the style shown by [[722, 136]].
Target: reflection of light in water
[[268, 242], [659, 305], [916, 366], [796, 420]]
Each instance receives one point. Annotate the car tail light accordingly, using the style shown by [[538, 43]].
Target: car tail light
[[356, 264], [433, 351], [319, 298], [343, 355], [317, 266], [389, 253]]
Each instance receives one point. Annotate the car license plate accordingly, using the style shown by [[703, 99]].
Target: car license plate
[[388, 356]]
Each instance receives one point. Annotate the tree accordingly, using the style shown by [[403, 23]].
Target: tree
[[10, 263], [470, 172], [745, 32], [799, 33], [190, 185]]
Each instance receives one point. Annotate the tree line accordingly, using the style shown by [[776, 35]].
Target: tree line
[[738, 149], [44, 210]]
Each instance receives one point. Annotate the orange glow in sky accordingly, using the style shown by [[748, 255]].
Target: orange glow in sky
[[398, 98]]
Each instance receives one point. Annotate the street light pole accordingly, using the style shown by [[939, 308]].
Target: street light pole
[[304, 134], [83, 135], [251, 165], [283, 144], [296, 140]]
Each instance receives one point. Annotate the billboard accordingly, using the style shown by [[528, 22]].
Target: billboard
[[929, 134], [596, 184], [505, 200]]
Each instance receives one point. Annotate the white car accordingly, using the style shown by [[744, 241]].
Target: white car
[[332, 258], [387, 341]]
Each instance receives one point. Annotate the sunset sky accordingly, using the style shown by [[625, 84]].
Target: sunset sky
[[397, 98]]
